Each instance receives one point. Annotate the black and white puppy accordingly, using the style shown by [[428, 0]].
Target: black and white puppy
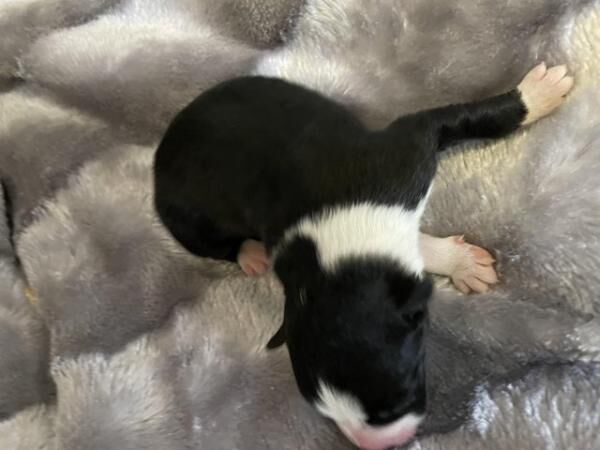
[[258, 170]]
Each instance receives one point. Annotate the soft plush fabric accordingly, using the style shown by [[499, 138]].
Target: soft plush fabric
[[125, 341]]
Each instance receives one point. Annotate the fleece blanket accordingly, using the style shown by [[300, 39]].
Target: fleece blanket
[[113, 337]]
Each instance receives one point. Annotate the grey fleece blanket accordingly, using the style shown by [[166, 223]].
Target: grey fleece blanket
[[112, 337]]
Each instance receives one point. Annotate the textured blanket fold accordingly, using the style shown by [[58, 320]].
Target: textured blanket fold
[[113, 337]]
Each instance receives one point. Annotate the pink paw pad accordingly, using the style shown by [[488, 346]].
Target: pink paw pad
[[252, 258]]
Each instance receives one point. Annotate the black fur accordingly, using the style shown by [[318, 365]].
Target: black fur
[[252, 156], [359, 329]]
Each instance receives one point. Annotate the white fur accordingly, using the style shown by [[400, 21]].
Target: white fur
[[340, 407], [543, 90], [365, 229], [470, 267], [346, 411]]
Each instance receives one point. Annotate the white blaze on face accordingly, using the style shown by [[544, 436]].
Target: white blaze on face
[[341, 407], [346, 411]]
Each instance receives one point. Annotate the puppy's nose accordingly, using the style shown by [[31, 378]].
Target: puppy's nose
[[371, 438]]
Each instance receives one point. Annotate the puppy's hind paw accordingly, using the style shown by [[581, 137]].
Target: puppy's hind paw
[[543, 90]]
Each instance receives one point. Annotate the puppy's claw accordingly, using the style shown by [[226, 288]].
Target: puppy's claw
[[476, 285], [537, 72], [565, 85], [461, 286]]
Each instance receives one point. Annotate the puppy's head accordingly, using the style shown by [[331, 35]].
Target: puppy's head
[[355, 339]]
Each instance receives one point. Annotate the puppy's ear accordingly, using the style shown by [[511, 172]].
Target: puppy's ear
[[278, 338], [412, 296], [421, 294], [415, 308], [297, 265]]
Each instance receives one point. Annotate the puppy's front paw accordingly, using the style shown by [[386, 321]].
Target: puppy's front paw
[[543, 90], [253, 258], [473, 269]]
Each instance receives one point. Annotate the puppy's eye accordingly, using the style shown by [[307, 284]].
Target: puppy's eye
[[414, 317], [384, 415], [393, 413], [302, 296]]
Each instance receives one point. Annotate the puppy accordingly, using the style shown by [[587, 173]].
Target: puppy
[[259, 169]]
